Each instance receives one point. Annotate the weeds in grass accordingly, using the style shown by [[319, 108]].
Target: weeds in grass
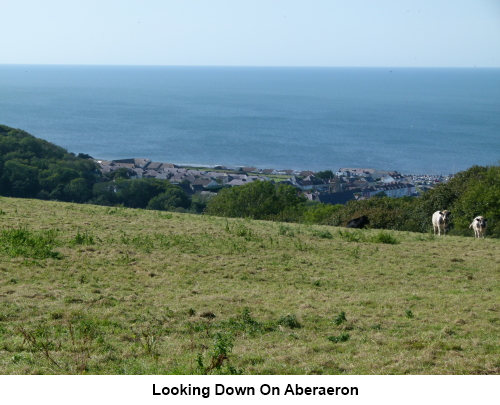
[[150, 331], [83, 333], [302, 247], [26, 243], [383, 237], [39, 342], [218, 358], [340, 319], [121, 211], [323, 234], [164, 215], [149, 341], [247, 324], [355, 253], [284, 230], [354, 236], [241, 230], [344, 337], [290, 321], [85, 238], [409, 313]]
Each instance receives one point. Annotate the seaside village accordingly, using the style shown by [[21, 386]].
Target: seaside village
[[345, 185]]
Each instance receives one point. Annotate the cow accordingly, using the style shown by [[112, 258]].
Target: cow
[[479, 225], [440, 221], [358, 223]]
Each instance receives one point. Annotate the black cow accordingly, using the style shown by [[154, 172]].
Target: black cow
[[358, 223]]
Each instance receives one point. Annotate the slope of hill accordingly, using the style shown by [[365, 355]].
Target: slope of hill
[[100, 290]]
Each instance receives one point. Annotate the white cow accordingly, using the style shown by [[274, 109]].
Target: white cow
[[440, 221], [479, 225]]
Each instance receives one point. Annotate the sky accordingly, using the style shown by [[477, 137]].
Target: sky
[[395, 33]]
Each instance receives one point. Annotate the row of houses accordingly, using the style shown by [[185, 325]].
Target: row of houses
[[345, 185], [196, 180]]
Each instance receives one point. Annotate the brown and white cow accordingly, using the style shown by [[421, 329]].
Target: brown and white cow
[[479, 225], [440, 221]]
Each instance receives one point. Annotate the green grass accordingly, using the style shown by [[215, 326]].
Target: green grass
[[95, 290]]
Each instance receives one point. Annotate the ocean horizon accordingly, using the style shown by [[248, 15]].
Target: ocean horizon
[[413, 120]]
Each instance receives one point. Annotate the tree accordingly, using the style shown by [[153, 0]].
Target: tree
[[257, 200], [173, 197], [325, 175], [20, 179], [318, 213], [138, 192], [77, 191]]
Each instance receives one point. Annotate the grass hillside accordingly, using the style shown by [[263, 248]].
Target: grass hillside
[[99, 290]]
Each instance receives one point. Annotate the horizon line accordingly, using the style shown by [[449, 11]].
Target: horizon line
[[251, 66]]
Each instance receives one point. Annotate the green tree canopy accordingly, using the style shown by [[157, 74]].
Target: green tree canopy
[[257, 200], [173, 197], [325, 174]]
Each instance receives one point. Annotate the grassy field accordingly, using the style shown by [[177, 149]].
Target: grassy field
[[97, 290]]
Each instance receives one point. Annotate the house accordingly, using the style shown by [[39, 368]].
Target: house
[[107, 168], [141, 162], [337, 184], [153, 166], [342, 197], [288, 172], [301, 184], [247, 169], [363, 182], [124, 161], [105, 162], [163, 175], [305, 173], [136, 173], [125, 165], [150, 174], [394, 190], [394, 177], [205, 183], [357, 172], [240, 182]]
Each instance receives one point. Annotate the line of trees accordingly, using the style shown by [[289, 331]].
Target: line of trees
[[34, 168]]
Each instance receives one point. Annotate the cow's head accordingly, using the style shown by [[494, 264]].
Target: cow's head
[[481, 222], [445, 215]]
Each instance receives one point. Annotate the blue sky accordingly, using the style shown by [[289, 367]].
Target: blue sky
[[419, 33]]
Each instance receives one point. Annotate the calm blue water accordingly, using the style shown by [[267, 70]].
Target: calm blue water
[[410, 120]]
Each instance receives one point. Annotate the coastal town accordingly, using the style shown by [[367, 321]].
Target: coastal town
[[326, 187]]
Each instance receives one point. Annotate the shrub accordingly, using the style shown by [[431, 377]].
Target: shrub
[[383, 237], [289, 321]]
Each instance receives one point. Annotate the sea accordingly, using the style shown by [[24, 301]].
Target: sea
[[412, 120]]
